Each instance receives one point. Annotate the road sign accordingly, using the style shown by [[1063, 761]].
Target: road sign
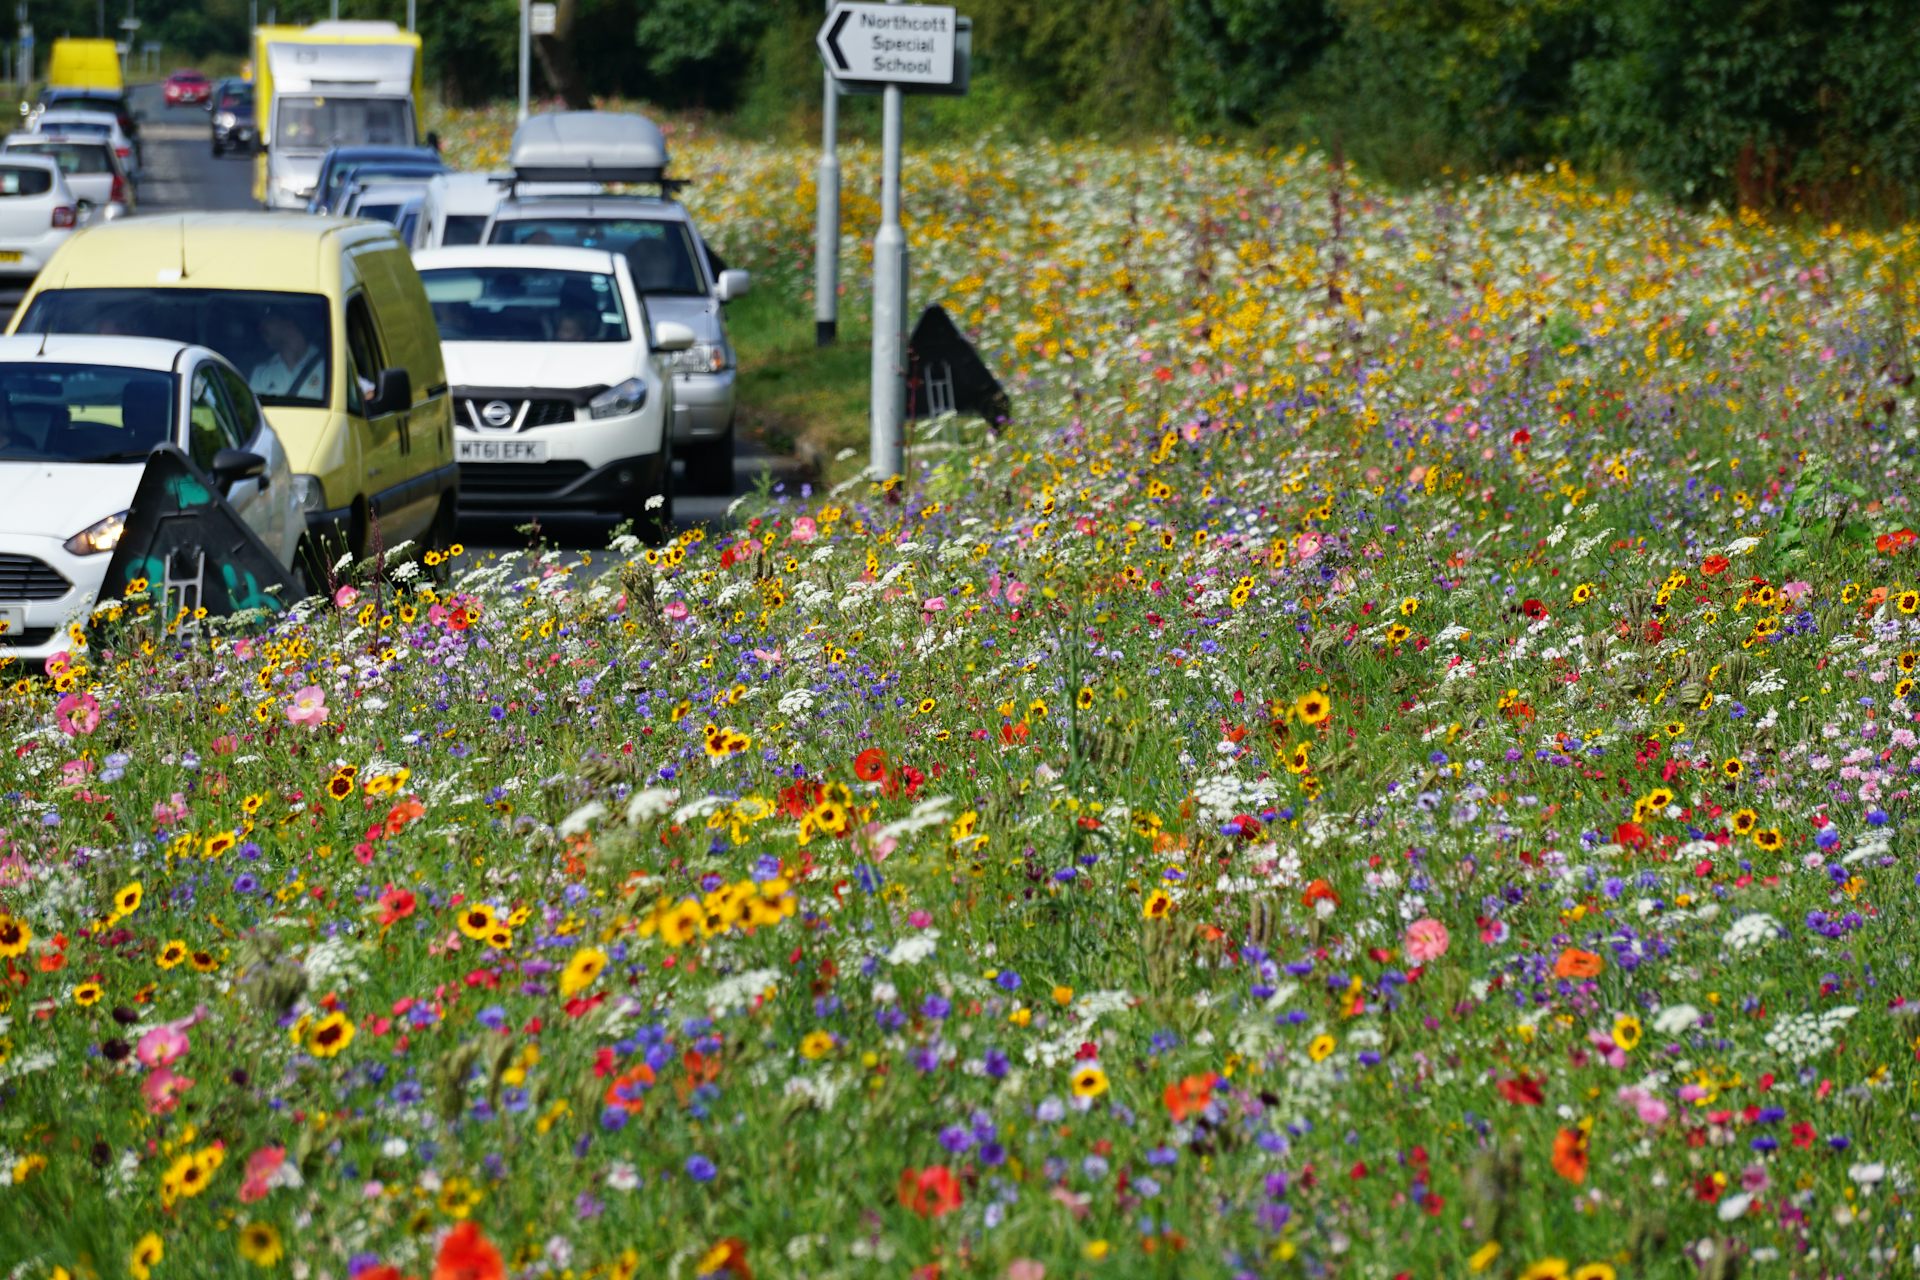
[[956, 88], [129, 24], [901, 44], [544, 19]]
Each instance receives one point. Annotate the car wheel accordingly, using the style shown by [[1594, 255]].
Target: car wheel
[[710, 465], [655, 526]]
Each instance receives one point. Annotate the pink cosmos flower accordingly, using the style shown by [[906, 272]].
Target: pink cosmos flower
[[346, 597], [878, 846], [932, 605], [1650, 1109], [162, 1090], [1025, 1269], [77, 714], [262, 1165], [309, 707], [74, 772], [1016, 592], [677, 610], [804, 530], [162, 1046], [170, 812], [1609, 1052], [1427, 940]]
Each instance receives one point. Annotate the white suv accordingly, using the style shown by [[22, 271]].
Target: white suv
[[560, 400]]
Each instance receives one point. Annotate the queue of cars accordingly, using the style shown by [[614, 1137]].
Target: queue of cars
[[535, 342]]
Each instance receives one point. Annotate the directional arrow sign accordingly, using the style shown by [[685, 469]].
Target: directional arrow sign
[[890, 43]]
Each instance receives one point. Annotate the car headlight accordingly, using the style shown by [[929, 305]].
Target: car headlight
[[618, 401], [99, 537], [703, 357], [224, 119], [308, 494]]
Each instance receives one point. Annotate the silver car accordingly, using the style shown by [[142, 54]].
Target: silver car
[[671, 265]]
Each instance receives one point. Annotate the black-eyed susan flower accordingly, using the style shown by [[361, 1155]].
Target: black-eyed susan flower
[[1320, 1048], [1312, 707], [260, 1244], [127, 901], [1157, 906], [14, 936], [1767, 839], [476, 920], [1744, 820], [1088, 1081], [581, 970], [1732, 767], [171, 955], [87, 994], [330, 1035]]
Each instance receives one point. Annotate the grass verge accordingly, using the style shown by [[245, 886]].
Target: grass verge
[[796, 397]]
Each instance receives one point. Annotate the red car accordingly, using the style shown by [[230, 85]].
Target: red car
[[187, 88]]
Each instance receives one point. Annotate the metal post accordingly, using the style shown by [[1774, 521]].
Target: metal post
[[526, 39], [409, 15], [826, 240], [889, 302], [335, 14]]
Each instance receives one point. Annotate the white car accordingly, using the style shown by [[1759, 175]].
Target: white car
[[90, 124], [561, 396], [89, 165], [77, 418], [38, 211]]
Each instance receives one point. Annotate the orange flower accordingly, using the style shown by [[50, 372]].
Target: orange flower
[[1189, 1096], [402, 814], [1575, 963], [629, 1089], [728, 1258], [1570, 1155], [466, 1254]]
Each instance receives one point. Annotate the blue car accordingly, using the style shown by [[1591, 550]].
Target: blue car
[[343, 165]]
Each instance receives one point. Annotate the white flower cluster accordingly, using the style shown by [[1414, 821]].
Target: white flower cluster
[[1800, 1036], [1753, 931]]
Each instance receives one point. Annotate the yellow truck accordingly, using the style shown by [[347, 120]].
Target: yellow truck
[[85, 64], [332, 84]]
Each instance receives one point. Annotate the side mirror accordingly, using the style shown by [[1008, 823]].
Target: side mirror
[[392, 392], [233, 465], [433, 140], [82, 212], [670, 335], [733, 284]]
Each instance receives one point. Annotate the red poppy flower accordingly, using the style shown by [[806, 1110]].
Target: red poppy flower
[[799, 799], [1889, 543], [1522, 438], [929, 1192], [1713, 566], [1533, 608], [1317, 891], [1522, 1091], [395, 905], [1630, 834], [629, 1089], [466, 1254], [870, 765]]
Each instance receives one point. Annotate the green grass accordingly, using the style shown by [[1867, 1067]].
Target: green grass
[[796, 397]]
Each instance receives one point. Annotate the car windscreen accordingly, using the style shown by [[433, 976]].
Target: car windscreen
[[24, 180], [75, 102], [82, 412], [314, 123], [463, 229], [525, 304], [72, 157], [281, 341], [660, 253], [346, 172], [236, 102]]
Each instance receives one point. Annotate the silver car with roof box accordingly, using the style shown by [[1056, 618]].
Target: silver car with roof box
[[672, 266]]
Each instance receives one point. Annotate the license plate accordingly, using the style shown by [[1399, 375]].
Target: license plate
[[13, 623], [503, 451], [10, 255]]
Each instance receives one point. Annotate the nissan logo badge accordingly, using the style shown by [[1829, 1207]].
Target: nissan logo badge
[[496, 413]]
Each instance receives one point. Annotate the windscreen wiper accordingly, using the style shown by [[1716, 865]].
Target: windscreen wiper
[[122, 455]]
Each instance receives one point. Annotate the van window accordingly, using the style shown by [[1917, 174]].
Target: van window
[[463, 229], [316, 123], [21, 180], [364, 350], [282, 340]]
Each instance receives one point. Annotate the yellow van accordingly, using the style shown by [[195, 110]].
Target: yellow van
[[85, 64], [328, 320]]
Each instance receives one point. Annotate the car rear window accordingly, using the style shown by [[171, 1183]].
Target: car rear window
[[24, 180], [72, 157], [660, 252]]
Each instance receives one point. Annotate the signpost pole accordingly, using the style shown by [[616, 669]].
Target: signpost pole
[[409, 15], [826, 246], [889, 302], [525, 67]]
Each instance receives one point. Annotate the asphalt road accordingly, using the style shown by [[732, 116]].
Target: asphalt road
[[181, 173]]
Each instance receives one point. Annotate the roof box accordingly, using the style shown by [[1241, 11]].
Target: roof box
[[589, 146]]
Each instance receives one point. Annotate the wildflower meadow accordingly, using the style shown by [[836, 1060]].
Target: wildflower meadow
[[1398, 761]]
